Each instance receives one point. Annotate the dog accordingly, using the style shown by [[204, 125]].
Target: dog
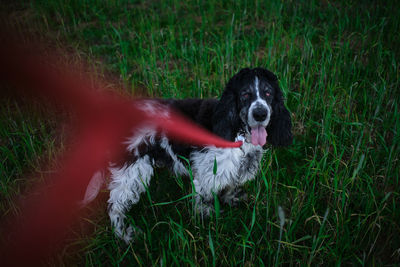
[[251, 109]]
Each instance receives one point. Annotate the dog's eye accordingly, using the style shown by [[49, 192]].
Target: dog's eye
[[246, 95]]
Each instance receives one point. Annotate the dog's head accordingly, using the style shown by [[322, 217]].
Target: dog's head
[[253, 102]]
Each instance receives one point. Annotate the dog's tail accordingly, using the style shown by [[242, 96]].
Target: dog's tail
[[93, 188]]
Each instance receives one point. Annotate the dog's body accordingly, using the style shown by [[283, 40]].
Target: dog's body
[[250, 106]]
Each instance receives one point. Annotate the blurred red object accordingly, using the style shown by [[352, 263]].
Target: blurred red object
[[103, 120]]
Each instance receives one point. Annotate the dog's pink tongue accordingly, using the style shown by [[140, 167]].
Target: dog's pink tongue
[[258, 135]]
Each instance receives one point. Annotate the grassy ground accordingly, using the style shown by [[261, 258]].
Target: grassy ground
[[337, 185]]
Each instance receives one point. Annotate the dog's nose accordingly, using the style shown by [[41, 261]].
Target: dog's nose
[[260, 114]]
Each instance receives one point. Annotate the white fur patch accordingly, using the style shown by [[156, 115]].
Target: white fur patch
[[154, 108], [145, 134], [126, 186], [178, 168], [258, 102]]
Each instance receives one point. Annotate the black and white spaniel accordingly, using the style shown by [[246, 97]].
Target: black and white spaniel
[[251, 109]]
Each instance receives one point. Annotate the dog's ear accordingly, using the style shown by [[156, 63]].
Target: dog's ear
[[225, 116], [280, 127], [226, 121]]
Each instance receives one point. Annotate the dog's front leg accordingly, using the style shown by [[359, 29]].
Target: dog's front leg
[[208, 187], [233, 195], [203, 199], [213, 169]]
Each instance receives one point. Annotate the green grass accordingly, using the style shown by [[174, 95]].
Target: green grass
[[338, 184]]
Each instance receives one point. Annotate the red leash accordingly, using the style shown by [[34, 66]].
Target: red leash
[[104, 121]]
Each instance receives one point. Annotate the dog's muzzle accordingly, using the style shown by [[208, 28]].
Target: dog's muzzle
[[258, 119]]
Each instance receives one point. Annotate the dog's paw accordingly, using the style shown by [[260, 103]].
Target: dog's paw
[[243, 196], [127, 237], [204, 209], [233, 202], [234, 198], [130, 234]]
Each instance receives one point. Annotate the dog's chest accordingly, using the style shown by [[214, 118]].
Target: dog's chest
[[233, 165], [249, 162]]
